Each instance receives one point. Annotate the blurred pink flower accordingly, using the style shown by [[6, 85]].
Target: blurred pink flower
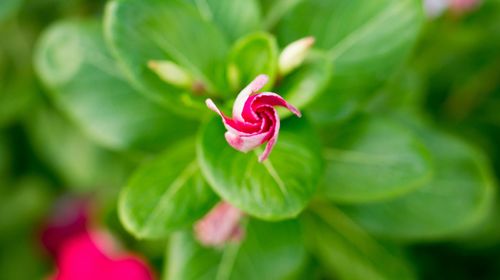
[[220, 225], [462, 6], [255, 120], [80, 254], [68, 219], [435, 8], [89, 256]]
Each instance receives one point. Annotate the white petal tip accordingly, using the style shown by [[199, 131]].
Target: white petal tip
[[259, 82], [210, 104]]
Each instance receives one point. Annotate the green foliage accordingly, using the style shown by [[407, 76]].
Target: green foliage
[[348, 251], [353, 190], [81, 164], [306, 84], [166, 194], [250, 56], [458, 197], [365, 40], [139, 31], [8, 7], [74, 63], [374, 158], [270, 251], [235, 18], [278, 188]]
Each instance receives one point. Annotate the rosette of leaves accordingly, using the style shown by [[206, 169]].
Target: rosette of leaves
[[364, 174]]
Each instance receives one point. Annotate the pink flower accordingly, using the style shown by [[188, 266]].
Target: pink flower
[[80, 254], [68, 219], [461, 6], [255, 120], [220, 225], [89, 256]]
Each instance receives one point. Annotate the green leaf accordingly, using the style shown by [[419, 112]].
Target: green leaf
[[252, 55], [278, 188], [139, 31], [23, 204], [268, 251], [18, 87], [307, 83], [348, 251], [373, 158], [458, 198], [73, 62], [166, 194], [274, 11], [235, 18], [80, 164], [5, 157], [366, 41], [8, 7]]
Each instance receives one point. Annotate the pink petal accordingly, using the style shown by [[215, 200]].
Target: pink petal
[[82, 258], [243, 96], [234, 126], [220, 225], [273, 99], [245, 143], [68, 219], [272, 141], [129, 268]]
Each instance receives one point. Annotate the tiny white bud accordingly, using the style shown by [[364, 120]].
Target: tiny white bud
[[294, 54], [171, 73], [434, 8]]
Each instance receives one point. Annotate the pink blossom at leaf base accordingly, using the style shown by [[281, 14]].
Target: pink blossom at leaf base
[[255, 121], [85, 257], [219, 226], [69, 218], [463, 6]]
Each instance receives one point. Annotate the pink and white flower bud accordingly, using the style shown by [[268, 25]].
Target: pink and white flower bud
[[220, 225], [294, 55], [172, 73], [255, 120]]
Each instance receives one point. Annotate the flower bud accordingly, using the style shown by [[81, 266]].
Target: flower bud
[[220, 226], [172, 73], [294, 54]]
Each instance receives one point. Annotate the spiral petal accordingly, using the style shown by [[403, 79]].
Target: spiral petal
[[273, 99], [255, 120], [243, 96]]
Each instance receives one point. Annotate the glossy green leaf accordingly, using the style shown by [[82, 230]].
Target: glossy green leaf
[[235, 18], [252, 55], [278, 188], [373, 158], [307, 83], [366, 41], [348, 251], [459, 196], [139, 31], [166, 194], [73, 62], [269, 251]]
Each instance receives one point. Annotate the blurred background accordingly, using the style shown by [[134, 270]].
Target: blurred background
[[453, 74]]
